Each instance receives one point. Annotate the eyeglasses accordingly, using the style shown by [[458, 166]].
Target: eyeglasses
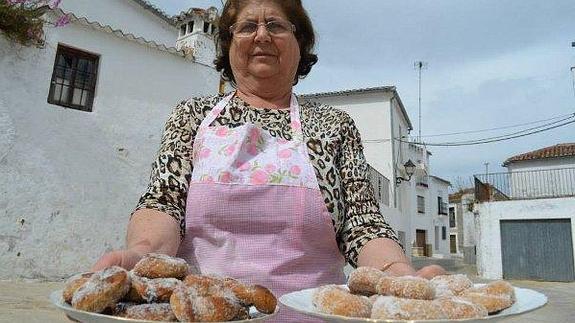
[[249, 28]]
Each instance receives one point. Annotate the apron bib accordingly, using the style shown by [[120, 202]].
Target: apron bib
[[255, 212]]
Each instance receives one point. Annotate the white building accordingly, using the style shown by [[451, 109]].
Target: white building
[[551, 169], [384, 126], [525, 223], [80, 123], [462, 224]]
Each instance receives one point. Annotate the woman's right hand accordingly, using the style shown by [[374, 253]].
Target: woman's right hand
[[125, 258]]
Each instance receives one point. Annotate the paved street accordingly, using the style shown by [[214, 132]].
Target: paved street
[[28, 301]]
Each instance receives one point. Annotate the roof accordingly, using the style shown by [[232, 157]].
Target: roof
[[119, 33], [456, 197], [556, 151], [440, 179], [156, 11], [380, 89]]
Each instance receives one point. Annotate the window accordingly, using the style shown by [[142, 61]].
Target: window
[[401, 237], [183, 30], [441, 206], [213, 29], [190, 27], [436, 238], [73, 79], [443, 233], [420, 204], [452, 217], [206, 27]]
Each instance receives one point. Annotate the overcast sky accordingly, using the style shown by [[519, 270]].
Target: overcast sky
[[491, 63]]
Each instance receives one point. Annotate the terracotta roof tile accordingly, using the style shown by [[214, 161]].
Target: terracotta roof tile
[[557, 151]]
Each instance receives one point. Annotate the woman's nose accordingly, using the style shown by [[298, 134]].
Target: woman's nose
[[262, 33]]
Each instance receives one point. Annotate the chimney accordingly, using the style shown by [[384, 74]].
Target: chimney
[[197, 31]]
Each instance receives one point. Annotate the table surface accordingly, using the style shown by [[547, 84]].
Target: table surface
[[22, 301]]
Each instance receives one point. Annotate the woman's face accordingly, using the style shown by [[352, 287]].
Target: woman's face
[[264, 57]]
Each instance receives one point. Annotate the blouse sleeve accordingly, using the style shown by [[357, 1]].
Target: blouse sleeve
[[168, 186], [363, 221]]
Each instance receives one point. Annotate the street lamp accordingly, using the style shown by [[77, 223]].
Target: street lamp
[[409, 170]]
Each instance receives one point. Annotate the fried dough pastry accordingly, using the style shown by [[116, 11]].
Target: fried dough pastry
[[450, 285], [145, 290], [72, 285], [364, 280], [102, 290], [154, 265], [406, 287], [334, 300], [151, 312], [458, 308], [493, 303], [396, 308], [188, 306]]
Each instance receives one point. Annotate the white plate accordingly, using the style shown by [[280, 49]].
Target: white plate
[[87, 317], [301, 301]]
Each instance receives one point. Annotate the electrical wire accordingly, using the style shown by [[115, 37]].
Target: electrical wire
[[571, 116], [498, 128], [487, 139], [480, 142]]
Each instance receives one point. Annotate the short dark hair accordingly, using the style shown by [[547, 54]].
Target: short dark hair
[[296, 14]]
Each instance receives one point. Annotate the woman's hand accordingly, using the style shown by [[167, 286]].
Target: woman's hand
[[125, 258], [149, 231], [431, 271]]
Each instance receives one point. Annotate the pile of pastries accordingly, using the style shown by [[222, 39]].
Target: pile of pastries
[[159, 289], [376, 295]]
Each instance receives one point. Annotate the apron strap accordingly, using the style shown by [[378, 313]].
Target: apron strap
[[295, 121]]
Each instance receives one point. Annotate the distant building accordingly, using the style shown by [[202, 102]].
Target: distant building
[[462, 240], [80, 124], [525, 218], [546, 171], [416, 209]]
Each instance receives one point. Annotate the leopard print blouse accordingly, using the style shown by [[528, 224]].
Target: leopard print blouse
[[334, 147]]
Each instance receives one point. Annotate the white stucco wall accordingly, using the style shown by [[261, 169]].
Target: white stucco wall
[[373, 114], [125, 15], [70, 178], [437, 189], [489, 258], [542, 164], [542, 178]]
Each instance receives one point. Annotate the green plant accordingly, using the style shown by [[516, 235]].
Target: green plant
[[23, 21]]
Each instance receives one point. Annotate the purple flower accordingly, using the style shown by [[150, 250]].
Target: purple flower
[[54, 3], [10, 2], [62, 21]]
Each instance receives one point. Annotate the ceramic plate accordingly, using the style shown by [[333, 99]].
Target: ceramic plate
[[301, 301], [87, 317]]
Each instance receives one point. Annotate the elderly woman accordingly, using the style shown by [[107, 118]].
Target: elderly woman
[[254, 185]]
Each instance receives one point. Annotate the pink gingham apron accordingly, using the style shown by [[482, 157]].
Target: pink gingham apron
[[255, 212]]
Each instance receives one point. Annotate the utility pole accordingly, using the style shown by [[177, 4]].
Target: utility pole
[[419, 65], [573, 71], [486, 168]]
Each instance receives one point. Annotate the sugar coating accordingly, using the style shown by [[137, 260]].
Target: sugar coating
[[332, 299], [102, 290], [499, 287], [450, 285], [459, 308], [406, 287], [364, 280], [188, 305], [154, 265], [493, 303], [151, 312], [73, 284], [396, 308]]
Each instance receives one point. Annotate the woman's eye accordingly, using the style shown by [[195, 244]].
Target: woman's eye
[[247, 28], [275, 27]]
